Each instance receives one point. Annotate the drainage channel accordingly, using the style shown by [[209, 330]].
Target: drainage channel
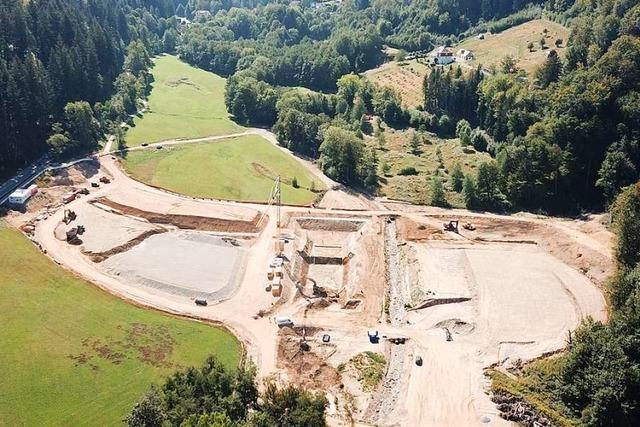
[[386, 398]]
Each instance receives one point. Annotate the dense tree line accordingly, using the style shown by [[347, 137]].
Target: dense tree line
[[213, 396], [569, 137], [53, 52], [297, 44]]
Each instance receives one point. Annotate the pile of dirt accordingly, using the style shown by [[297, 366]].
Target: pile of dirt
[[101, 256], [73, 175], [305, 360], [411, 231], [456, 326], [188, 222], [340, 225]]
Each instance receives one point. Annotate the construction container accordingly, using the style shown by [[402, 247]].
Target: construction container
[[68, 198], [276, 290]]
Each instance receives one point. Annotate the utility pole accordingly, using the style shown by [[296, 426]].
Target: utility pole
[[274, 198], [277, 200]]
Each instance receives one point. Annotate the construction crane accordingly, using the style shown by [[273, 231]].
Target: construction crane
[[275, 198]]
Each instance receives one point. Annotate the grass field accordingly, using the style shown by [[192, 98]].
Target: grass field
[[514, 41], [185, 102], [438, 155], [73, 355], [406, 77], [233, 169]]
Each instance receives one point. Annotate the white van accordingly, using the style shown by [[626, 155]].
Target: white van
[[283, 321]]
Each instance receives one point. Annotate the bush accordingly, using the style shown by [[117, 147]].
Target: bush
[[294, 182], [407, 171]]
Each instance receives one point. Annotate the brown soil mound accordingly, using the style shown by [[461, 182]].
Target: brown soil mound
[[188, 222], [73, 175], [411, 231], [329, 224], [305, 361]]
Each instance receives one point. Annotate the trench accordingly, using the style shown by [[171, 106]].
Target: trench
[[386, 398]]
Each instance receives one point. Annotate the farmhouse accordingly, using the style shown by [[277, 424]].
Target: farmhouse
[[442, 55], [201, 15], [464, 55]]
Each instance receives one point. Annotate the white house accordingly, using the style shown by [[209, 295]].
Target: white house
[[442, 55], [464, 54], [201, 15]]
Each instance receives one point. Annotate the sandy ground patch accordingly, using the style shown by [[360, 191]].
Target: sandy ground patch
[[104, 230], [191, 264]]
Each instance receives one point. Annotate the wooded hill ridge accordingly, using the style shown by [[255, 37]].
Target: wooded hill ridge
[[564, 140]]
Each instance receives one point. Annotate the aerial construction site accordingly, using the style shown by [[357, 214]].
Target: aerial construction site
[[394, 311]]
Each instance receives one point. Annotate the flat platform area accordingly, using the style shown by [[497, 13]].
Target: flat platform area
[[186, 263]]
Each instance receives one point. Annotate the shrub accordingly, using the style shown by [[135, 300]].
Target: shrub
[[409, 170]]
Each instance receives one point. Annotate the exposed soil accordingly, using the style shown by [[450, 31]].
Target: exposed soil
[[101, 256], [188, 222], [74, 175], [305, 360], [411, 231]]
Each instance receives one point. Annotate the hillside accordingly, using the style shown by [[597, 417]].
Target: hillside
[[514, 42]]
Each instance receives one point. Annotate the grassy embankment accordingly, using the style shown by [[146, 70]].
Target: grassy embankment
[[185, 102], [233, 169], [75, 355], [514, 41]]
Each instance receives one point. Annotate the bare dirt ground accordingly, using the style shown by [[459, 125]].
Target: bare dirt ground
[[509, 290]]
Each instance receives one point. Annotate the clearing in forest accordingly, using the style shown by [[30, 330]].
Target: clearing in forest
[[435, 157], [242, 169], [514, 42], [185, 102], [77, 353], [405, 77]]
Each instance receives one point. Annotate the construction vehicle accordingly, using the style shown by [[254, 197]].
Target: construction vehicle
[[72, 236], [451, 226], [283, 321], [95, 185], [419, 360], [469, 226], [201, 301], [83, 191], [104, 180], [374, 337], [69, 216], [68, 198]]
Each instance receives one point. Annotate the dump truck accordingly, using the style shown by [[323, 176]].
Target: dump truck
[[68, 198]]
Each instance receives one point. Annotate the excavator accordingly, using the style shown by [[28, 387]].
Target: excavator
[[451, 226], [69, 216]]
